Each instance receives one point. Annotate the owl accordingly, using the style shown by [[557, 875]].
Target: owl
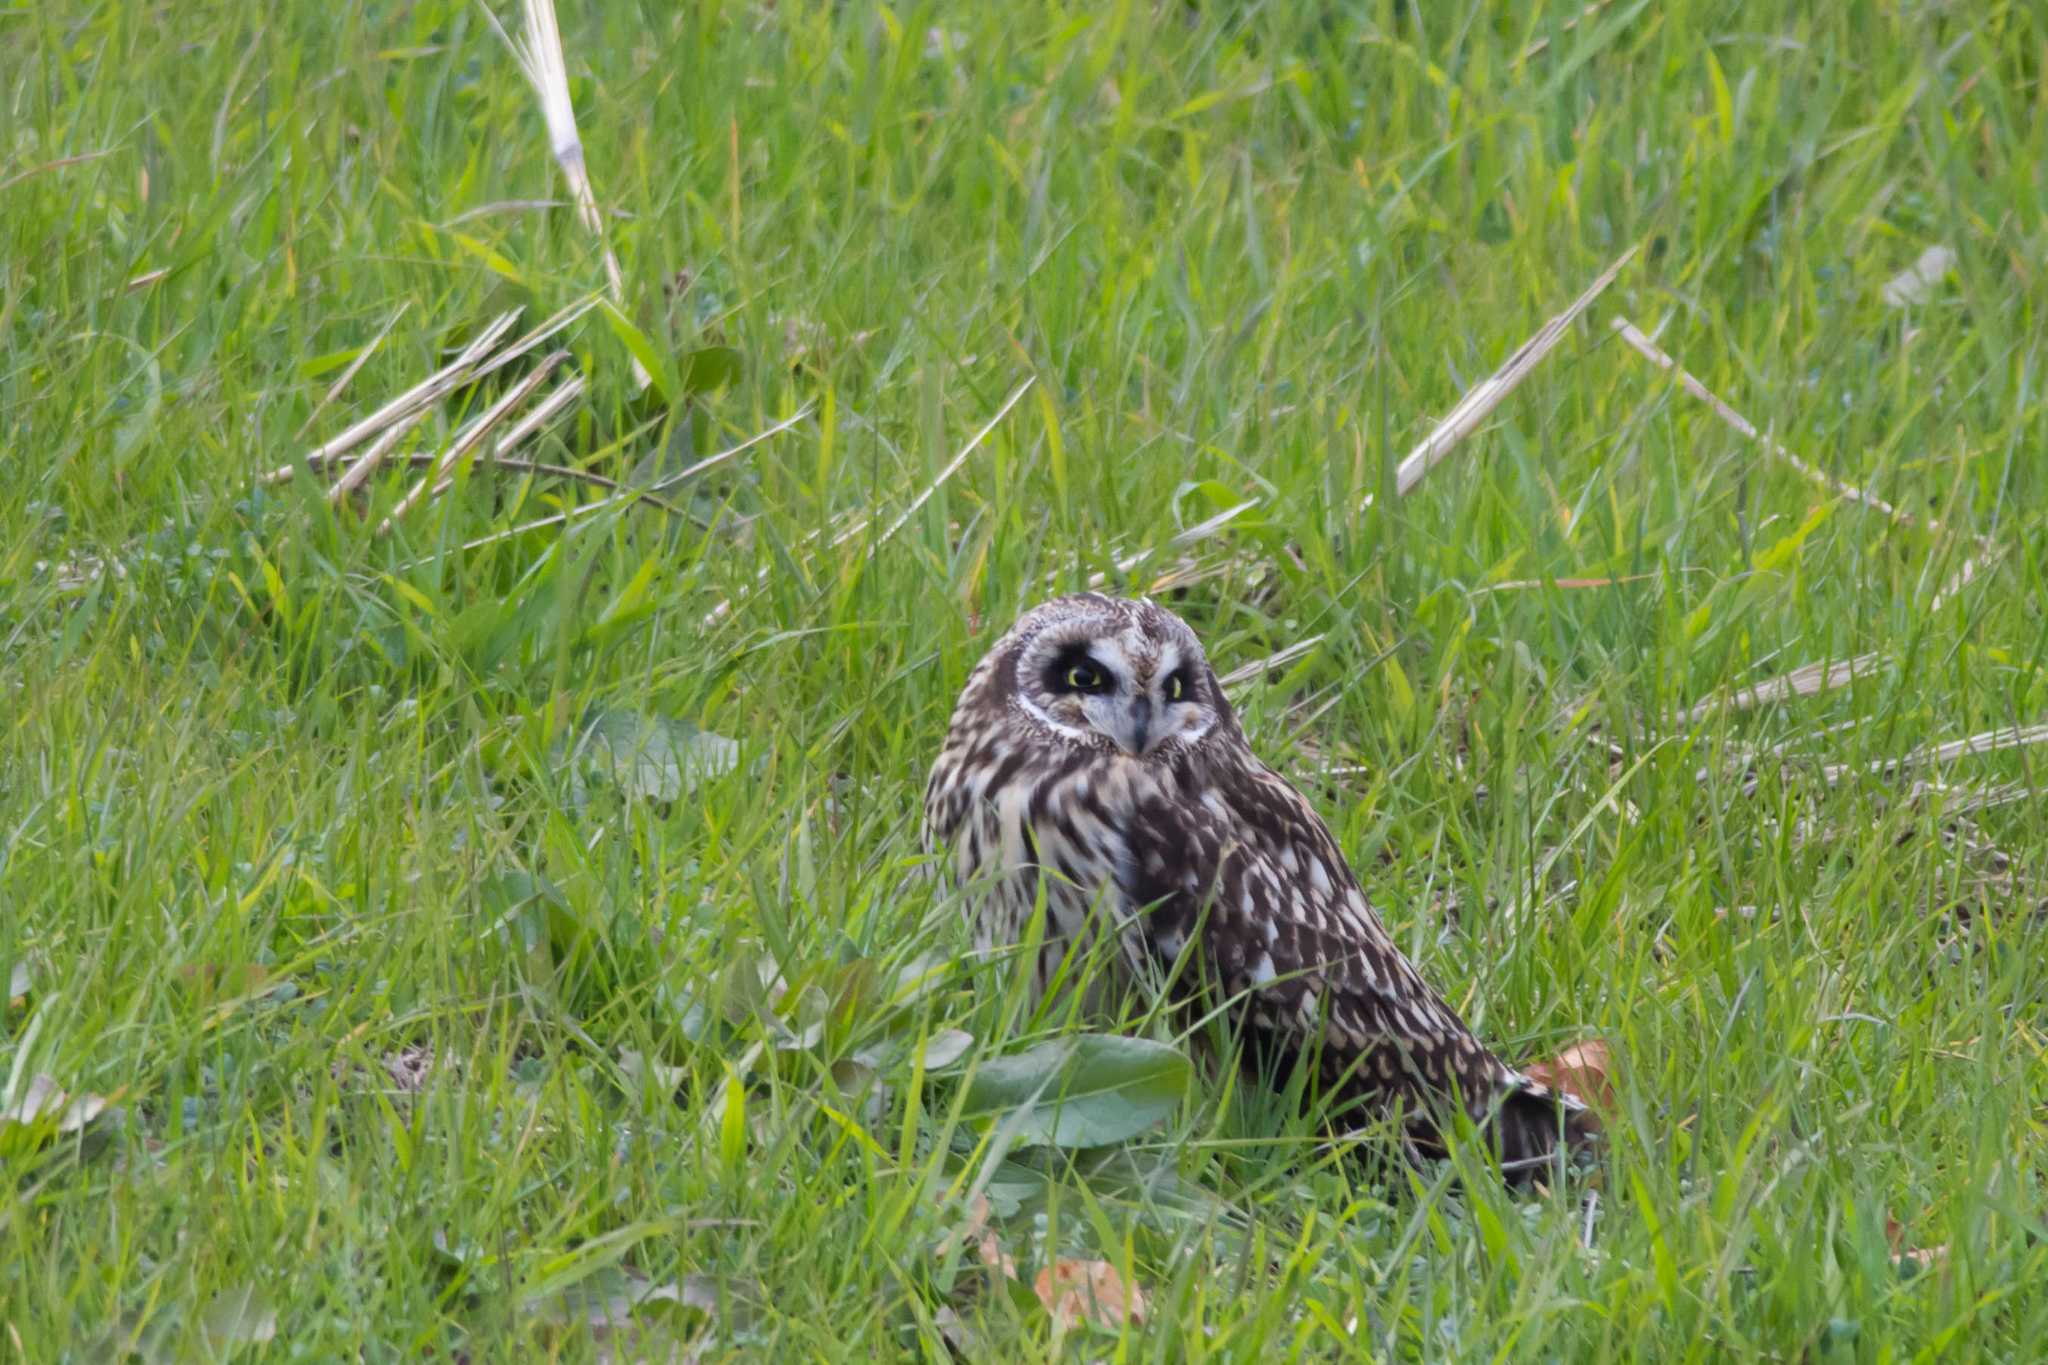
[[1094, 767]]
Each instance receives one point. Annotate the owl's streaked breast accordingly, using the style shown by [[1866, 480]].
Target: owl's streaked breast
[[1055, 828]]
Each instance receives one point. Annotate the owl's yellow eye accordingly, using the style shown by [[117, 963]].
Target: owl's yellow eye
[[1177, 687], [1083, 678]]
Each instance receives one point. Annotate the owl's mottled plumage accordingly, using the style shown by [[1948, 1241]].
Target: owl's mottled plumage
[[1094, 761]]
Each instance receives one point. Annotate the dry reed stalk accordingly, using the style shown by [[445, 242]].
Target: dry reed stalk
[[1650, 351], [1237, 677], [472, 436], [953, 465], [651, 492], [1984, 742], [545, 412], [549, 408], [546, 68], [375, 344], [1804, 681], [361, 469], [1192, 535], [423, 459], [1483, 397], [476, 360], [422, 395], [861, 523]]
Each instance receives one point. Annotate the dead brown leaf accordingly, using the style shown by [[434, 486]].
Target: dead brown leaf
[[1584, 1069], [982, 1237], [1072, 1290], [210, 982], [42, 1099], [1920, 1258]]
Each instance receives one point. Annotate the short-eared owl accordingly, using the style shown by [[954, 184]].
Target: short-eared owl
[[1093, 762]]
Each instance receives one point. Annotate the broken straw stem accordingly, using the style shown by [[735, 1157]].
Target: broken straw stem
[[475, 434], [420, 395], [1483, 397], [1650, 351]]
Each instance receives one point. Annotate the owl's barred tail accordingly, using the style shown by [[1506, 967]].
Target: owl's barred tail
[[1537, 1130]]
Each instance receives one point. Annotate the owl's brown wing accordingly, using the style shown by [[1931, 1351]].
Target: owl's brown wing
[[1242, 866]]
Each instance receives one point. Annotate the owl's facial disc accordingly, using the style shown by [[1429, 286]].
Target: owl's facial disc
[[1131, 690]]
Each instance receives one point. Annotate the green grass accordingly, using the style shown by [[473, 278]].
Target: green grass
[[285, 806]]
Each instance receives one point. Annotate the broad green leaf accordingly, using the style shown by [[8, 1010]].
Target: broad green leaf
[[243, 1316], [1786, 549], [318, 365], [710, 367], [1084, 1091], [650, 356], [946, 1047], [655, 757]]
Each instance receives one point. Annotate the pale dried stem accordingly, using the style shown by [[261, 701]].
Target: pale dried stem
[[473, 436], [544, 413], [421, 395], [422, 459], [559, 321], [375, 344], [1484, 397], [1650, 351], [541, 58], [855, 524], [1187, 573], [1962, 801], [1986, 742], [551, 407], [1181, 574], [631, 495], [1962, 577], [1279, 659], [853, 528], [1805, 681], [508, 206], [710, 462], [475, 362], [360, 469], [1747, 758], [953, 465], [861, 523], [352, 478], [59, 164], [1202, 530]]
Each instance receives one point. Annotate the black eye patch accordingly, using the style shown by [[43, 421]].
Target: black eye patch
[[1073, 670]]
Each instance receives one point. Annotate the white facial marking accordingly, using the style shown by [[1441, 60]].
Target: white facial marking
[[1044, 717]]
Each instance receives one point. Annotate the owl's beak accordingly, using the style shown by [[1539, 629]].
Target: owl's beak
[[1133, 729]]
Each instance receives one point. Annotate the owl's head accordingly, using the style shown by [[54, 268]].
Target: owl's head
[[1110, 674]]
